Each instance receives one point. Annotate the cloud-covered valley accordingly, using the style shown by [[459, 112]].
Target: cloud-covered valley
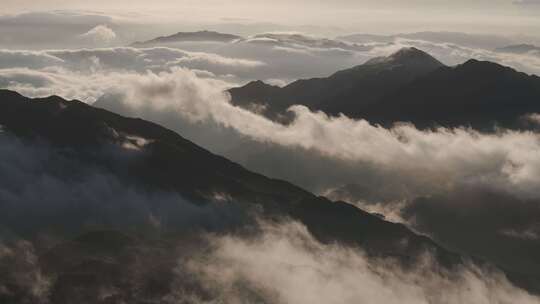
[[184, 91]]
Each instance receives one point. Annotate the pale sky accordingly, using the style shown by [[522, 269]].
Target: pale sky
[[381, 16]]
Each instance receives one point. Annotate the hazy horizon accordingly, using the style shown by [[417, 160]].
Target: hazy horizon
[[506, 17]]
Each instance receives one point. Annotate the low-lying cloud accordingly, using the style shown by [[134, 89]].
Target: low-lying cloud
[[21, 274], [122, 58], [285, 264], [506, 159], [401, 155]]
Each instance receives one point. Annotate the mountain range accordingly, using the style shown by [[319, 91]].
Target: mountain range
[[110, 203], [519, 49], [152, 159], [295, 39], [410, 86], [465, 39]]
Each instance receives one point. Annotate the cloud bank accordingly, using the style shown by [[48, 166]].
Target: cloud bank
[[506, 159], [87, 74], [285, 264]]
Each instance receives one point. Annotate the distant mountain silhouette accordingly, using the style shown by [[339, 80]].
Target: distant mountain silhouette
[[345, 90], [287, 39], [199, 36], [463, 39], [169, 162], [519, 49], [411, 86]]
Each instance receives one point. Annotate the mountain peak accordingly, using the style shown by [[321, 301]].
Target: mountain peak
[[203, 32], [257, 89], [482, 64], [408, 55], [258, 84], [487, 68], [204, 35]]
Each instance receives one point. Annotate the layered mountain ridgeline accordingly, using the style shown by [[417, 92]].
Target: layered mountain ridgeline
[[167, 162], [519, 49], [295, 39], [200, 36], [269, 39], [479, 94], [411, 86], [123, 198], [464, 39]]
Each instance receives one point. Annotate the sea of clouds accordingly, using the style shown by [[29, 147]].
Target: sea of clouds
[[469, 190]]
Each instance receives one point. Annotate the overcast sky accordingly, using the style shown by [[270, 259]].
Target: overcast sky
[[375, 16]]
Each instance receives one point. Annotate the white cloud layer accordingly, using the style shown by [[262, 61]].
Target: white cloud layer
[[507, 159], [123, 59], [86, 74], [436, 159]]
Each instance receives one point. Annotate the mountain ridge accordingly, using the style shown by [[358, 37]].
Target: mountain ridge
[[400, 88], [336, 93], [168, 162], [519, 48], [197, 36], [167, 150]]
